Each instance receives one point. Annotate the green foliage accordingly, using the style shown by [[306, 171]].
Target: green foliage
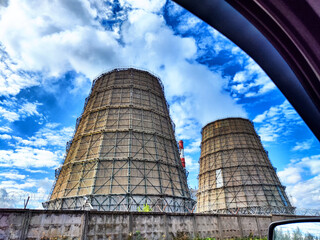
[[146, 208], [185, 236], [181, 236], [55, 238], [207, 238], [250, 237], [138, 236], [295, 234]]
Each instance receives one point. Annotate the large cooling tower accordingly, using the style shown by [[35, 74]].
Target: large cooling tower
[[124, 153], [236, 175]]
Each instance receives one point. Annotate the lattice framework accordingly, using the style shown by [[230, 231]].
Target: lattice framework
[[236, 175], [123, 153]]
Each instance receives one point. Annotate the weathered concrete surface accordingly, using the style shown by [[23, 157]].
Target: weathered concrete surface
[[11, 224], [94, 225], [107, 225], [51, 225]]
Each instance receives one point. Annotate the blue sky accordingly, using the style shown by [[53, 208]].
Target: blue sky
[[50, 51]]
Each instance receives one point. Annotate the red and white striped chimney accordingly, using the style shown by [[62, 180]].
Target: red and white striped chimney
[[182, 153]]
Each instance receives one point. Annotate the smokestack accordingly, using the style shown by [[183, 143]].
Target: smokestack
[[182, 153]]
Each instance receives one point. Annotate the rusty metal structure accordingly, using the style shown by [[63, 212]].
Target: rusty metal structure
[[123, 155], [236, 175]]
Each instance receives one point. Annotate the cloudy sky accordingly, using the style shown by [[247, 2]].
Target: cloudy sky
[[50, 51]]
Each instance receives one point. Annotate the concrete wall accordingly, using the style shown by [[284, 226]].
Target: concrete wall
[[93, 225]]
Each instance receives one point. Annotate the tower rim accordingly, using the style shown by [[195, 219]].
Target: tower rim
[[225, 119], [118, 69]]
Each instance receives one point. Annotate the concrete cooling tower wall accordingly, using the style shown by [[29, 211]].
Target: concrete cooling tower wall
[[124, 155], [236, 175]]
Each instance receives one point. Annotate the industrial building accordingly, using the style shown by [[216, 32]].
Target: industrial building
[[236, 175], [123, 156]]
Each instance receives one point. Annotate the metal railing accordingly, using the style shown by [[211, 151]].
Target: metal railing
[[19, 200]]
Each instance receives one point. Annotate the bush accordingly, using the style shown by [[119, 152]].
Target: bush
[[146, 208]]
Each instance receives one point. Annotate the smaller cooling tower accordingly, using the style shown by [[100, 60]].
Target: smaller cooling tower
[[236, 175]]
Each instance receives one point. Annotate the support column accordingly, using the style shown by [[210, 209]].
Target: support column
[[84, 225], [25, 225], [258, 226], [130, 224], [165, 220], [195, 226], [240, 226], [220, 227]]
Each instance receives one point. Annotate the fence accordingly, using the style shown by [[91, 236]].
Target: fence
[[40, 224]]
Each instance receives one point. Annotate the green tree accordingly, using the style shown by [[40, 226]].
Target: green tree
[[279, 234], [297, 234], [309, 236]]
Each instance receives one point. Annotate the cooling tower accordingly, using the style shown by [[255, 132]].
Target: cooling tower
[[236, 175], [123, 155]]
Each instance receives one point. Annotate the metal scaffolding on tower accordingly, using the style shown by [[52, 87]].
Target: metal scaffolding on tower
[[236, 175], [123, 154]]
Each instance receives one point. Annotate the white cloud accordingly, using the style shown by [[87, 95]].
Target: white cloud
[[45, 149], [26, 157], [49, 135], [300, 146], [191, 164], [307, 165], [306, 194], [193, 146], [240, 77], [148, 5], [29, 109], [79, 84], [199, 88], [14, 185], [12, 80], [260, 118], [251, 80], [276, 121], [13, 83], [290, 175], [186, 127], [10, 116], [313, 163], [240, 88], [4, 201], [302, 178], [220, 43], [55, 44], [15, 110], [12, 174], [39, 39], [52, 125], [174, 9], [5, 129], [16, 192], [269, 132], [189, 22], [5, 136], [35, 171]]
